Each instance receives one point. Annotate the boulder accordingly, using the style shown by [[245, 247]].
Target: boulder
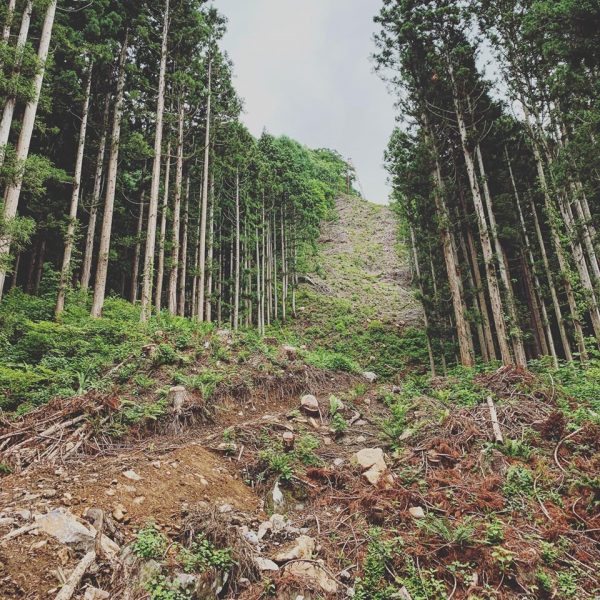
[[309, 404], [264, 564], [313, 572], [370, 376], [132, 475], [64, 527], [302, 548], [373, 465]]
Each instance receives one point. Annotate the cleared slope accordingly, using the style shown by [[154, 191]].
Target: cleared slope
[[362, 262]]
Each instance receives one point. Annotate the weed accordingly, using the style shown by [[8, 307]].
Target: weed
[[304, 451], [567, 584], [161, 588], [165, 355], [505, 559], [5, 469], [203, 554], [460, 534], [150, 543], [494, 532], [544, 581], [549, 552], [422, 584], [516, 449], [278, 463], [519, 481], [137, 412]]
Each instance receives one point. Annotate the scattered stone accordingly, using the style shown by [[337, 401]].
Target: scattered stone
[[360, 422], [4, 521], [338, 462], [309, 404], [227, 447], [278, 499], [302, 548], [327, 441], [139, 500], [361, 439], [315, 573], [119, 512], [225, 508], [49, 493], [367, 401], [203, 481], [278, 522], [264, 564], [250, 536], [369, 376], [156, 464], [149, 571], [288, 441], [416, 512], [39, 544], [132, 475], [372, 463], [405, 435], [23, 513], [110, 492]]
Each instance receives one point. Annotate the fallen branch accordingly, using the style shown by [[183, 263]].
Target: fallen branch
[[67, 591], [15, 533], [494, 418]]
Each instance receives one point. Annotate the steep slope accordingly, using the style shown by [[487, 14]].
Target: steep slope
[[362, 262]]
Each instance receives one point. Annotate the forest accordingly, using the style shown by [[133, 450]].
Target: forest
[[125, 168], [226, 374], [508, 267]]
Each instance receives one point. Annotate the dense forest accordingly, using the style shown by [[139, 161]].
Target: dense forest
[[125, 169], [495, 173]]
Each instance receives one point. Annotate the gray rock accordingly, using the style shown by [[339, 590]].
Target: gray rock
[[302, 548], [370, 376], [309, 404], [372, 463], [132, 475], [264, 564]]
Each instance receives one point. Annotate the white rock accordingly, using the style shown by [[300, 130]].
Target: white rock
[[63, 526], [264, 564], [302, 547], [416, 512], [278, 499], [309, 404], [95, 594], [132, 475], [372, 463], [278, 522], [370, 376], [315, 573]]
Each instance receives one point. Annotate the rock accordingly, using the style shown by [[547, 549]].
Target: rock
[[338, 462], [315, 573], [93, 593], [177, 397], [156, 464], [7, 521], [264, 564], [372, 463], [288, 441], [369, 376], [302, 547], [63, 526], [23, 513], [149, 570], [278, 522], [49, 493], [416, 512], [131, 475], [139, 500], [119, 512], [225, 508], [360, 422], [227, 447], [39, 545], [361, 439], [251, 537], [309, 404], [278, 499]]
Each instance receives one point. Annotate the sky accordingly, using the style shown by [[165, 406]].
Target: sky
[[303, 69]]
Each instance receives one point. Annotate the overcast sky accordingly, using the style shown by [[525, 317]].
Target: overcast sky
[[303, 68]]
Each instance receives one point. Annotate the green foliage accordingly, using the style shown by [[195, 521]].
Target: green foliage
[[161, 588], [278, 463], [519, 482], [494, 531], [203, 555], [150, 543], [304, 450], [331, 361], [460, 534]]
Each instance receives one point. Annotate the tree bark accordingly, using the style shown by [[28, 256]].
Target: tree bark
[[11, 101], [111, 186], [176, 250], [91, 232], [13, 190], [236, 300], [204, 209], [70, 237], [146, 299], [10, 14], [160, 269], [184, 252], [135, 271]]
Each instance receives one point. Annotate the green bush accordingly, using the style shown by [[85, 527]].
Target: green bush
[[150, 543]]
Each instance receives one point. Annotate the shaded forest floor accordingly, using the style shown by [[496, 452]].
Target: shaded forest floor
[[189, 461]]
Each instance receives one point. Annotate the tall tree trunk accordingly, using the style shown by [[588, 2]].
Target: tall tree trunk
[[488, 254], [176, 250], [70, 237], [211, 254], [111, 187], [15, 273], [204, 209], [135, 271], [284, 269], [536, 282], [184, 251], [160, 270], [516, 334], [13, 190], [11, 101], [148, 274], [236, 300], [88, 254], [10, 14], [421, 289]]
